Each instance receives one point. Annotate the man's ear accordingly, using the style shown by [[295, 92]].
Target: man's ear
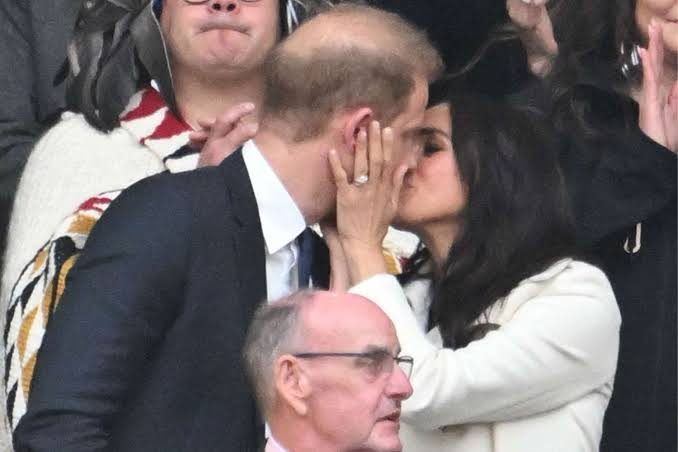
[[358, 119], [291, 384]]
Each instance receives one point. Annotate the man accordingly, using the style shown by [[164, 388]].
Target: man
[[217, 51], [143, 351], [327, 375]]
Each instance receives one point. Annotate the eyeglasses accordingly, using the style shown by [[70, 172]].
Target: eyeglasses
[[378, 362]]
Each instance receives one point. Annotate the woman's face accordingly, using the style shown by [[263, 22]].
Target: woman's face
[[666, 14], [433, 192]]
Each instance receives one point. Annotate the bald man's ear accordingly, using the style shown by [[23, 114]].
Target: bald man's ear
[[291, 384], [358, 119]]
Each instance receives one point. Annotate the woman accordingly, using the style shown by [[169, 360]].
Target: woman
[[514, 339]]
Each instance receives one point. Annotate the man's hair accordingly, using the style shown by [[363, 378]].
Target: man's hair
[[274, 330], [365, 57]]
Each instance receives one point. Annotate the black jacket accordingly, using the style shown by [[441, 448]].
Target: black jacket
[[617, 180], [144, 351]]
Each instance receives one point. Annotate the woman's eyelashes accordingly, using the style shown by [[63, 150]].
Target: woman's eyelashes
[[431, 147]]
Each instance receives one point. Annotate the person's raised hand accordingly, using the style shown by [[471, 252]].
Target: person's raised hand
[[220, 136], [531, 19], [657, 109], [526, 14]]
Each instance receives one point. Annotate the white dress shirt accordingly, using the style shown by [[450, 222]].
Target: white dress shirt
[[274, 446], [281, 223]]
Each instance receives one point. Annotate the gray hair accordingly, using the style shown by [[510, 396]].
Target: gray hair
[[274, 330]]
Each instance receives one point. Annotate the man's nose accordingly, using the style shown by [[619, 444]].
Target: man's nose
[[230, 6], [399, 386]]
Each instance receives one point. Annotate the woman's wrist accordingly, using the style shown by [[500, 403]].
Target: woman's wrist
[[363, 261]]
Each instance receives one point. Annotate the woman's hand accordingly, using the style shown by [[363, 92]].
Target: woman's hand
[[366, 206], [219, 137], [658, 110], [535, 29]]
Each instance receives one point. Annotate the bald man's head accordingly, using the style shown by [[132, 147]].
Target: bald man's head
[[302, 319], [348, 57], [331, 382]]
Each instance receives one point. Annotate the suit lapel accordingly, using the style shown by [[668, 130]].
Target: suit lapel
[[248, 240], [248, 246]]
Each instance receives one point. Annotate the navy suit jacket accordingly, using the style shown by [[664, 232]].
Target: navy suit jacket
[[144, 351]]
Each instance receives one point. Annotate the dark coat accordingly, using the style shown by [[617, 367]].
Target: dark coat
[[144, 350], [618, 179]]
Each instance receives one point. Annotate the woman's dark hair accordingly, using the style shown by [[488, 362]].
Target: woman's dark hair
[[591, 36], [517, 220]]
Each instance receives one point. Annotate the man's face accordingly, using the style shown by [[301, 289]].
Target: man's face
[[355, 403], [219, 37], [406, 126]]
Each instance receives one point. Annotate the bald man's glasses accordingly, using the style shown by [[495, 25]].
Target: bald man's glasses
[[379, 362]]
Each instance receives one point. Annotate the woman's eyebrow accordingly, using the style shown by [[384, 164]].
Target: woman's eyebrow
[[428, 131]]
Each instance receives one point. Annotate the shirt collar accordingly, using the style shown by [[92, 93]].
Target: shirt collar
[[281, 220], [274, 446]]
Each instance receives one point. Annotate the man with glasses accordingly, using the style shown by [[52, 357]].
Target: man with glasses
[[327, 373]]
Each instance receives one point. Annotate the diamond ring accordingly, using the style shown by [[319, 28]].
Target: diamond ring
[[361, 180]]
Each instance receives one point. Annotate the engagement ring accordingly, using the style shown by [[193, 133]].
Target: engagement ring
[[361, 180]]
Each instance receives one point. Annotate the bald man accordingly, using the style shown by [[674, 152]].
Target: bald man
[[327, 373], [144, 352]]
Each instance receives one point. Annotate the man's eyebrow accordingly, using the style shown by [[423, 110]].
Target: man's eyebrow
[[380, 349], [377, 349]]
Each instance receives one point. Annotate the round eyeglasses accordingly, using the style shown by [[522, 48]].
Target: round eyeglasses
[[379, 362]]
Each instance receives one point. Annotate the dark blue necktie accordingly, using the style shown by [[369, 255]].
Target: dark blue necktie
[[305, 260]]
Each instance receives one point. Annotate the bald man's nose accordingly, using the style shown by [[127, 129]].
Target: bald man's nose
[[399, 386]]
